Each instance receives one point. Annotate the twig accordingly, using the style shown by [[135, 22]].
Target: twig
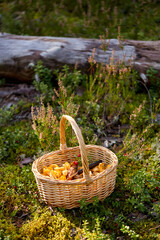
[[154, 227]]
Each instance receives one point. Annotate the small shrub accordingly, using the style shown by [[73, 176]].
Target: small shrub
[[43, 81], [96, 233], [71, 80], [6, 115]]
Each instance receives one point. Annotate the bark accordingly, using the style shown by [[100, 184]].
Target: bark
[[18, 54]]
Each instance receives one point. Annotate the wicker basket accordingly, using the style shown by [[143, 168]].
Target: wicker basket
[[68, 193]]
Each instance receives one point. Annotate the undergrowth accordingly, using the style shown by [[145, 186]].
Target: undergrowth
[[109, 97]]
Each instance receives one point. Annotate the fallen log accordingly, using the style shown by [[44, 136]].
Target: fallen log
[[18, 54]]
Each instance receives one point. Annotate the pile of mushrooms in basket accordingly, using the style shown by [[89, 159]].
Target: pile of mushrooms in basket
[[73, 171]]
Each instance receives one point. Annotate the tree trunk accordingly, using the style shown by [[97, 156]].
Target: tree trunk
[[18, 54]]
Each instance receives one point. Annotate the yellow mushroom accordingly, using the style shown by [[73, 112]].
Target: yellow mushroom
[[62, 177], [95, 169], [95, 173], [58, 173], [46, 171], [53, 166], [59, 168], [65, 172], [66, 165], [50, 168], [52, 174], [108, 166], [102, 167]]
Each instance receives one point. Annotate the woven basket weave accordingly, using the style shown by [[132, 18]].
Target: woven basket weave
[[68, 193]]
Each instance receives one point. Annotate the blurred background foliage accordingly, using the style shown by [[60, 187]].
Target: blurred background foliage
[[82, 18]]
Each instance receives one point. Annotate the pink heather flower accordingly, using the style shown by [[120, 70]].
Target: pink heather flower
[[33, 126], [40, 136]]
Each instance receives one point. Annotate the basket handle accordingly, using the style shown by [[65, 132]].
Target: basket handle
[[78, 133]]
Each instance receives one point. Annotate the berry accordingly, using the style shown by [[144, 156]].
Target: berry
[[75, 163]]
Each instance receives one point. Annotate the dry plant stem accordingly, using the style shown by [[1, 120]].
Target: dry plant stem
[[150, 100]]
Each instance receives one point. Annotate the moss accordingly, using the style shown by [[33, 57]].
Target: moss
[[18, 194], [148, 229], [46, 226], [7, 229]]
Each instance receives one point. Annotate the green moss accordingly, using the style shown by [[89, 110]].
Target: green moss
[[7, 230], [148, 229], [18, 197], [46, 226]]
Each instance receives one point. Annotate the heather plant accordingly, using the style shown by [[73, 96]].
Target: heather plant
[[134, 145], [65, 100], [104, 42], [46, 118], [109, 89], [45, 126], [143, 126], [66, 105], [140, 117]]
